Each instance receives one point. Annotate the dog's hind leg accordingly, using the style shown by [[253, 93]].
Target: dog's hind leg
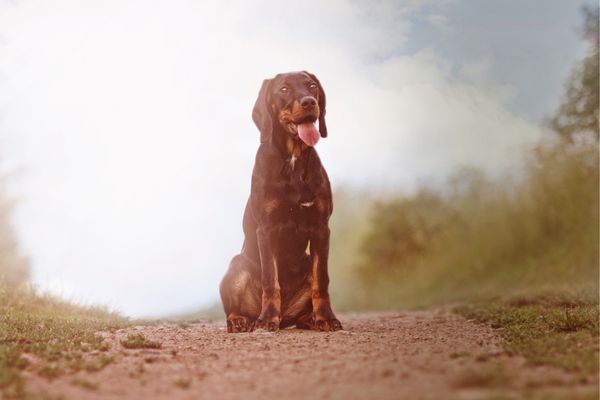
[[240, 296]]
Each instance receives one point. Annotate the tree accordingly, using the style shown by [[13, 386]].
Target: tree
[[401, 231], [578, 114]]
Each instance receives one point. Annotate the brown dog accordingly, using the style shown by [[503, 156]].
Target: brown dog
[[280, 278]]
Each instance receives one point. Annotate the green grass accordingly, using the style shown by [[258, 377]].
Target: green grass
[[557, 330], [472, 238], [99, 363], [48, 337], [139, 341]]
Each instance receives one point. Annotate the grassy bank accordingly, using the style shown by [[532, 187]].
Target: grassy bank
[[48, 337], [556, 329], [473, 238], [519, 254]]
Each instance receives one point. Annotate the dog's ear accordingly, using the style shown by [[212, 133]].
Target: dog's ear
[[322, 103], [261, 114]]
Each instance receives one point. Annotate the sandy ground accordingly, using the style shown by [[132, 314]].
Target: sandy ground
[[401, 355]]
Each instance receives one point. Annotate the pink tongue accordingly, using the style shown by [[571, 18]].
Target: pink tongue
[[308, 133]]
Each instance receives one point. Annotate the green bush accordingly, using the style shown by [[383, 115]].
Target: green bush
[[477, 238]]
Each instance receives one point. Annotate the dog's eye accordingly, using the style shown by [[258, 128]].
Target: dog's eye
[[284, 89]]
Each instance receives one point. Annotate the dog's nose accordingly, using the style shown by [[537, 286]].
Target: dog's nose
[[308, 102]]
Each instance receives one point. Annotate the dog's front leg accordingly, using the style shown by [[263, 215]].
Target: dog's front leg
[[270, 314], [324, 318]]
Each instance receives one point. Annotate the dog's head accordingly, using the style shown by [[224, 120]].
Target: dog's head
[[291, 104]]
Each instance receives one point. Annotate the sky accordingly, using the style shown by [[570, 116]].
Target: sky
[[126, 135]]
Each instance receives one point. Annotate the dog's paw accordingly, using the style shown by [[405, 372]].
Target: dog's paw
[[324, 317], [270, 324], [238, 324], [327, 325]]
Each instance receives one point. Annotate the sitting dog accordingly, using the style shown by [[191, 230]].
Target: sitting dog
[[280, 278]]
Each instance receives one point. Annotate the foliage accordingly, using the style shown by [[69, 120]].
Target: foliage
[[139, 341], [405, 230], [476, 238], [48, 337], [578, 114], [349, 224]]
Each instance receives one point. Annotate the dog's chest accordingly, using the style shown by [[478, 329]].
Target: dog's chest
[[299, 186]]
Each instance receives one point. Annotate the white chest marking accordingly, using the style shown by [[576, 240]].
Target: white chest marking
[[307, 204], [293, 161]]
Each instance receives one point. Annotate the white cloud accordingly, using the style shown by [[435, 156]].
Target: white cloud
[[439, 22], [412, 116], [133, 122]]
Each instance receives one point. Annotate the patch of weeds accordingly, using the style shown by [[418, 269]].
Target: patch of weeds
[[50, 371], [573, 319], [561, 334], [104, 346], [11, 382], [21, 363], [488, 376], [76, 363], [139, 341], [183, 383], [99, 363], [84, 384], [10, 366], [51, 332]]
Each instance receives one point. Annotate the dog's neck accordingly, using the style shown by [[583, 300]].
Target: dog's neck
[[295, 147], [290, 148]]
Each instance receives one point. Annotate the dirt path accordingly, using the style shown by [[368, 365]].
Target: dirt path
[[404, 355]]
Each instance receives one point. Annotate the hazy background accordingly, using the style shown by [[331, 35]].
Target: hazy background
[[128, 145]]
